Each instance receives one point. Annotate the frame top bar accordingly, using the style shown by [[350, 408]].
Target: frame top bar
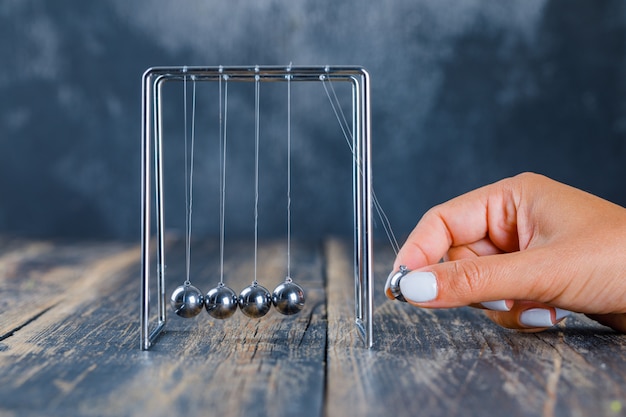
[[265, 73]]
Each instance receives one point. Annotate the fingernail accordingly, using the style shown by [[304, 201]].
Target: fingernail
[[536, 317], [498, 305], [419, 287], [561, 314]]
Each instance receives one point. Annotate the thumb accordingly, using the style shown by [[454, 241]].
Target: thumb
[[478, 279]]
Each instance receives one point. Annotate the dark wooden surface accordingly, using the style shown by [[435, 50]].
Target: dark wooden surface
[[69, 345]]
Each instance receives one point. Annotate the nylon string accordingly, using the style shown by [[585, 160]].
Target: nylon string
[[347, 133], [223, 116], [289, 177], [189, 158], [256, 174]]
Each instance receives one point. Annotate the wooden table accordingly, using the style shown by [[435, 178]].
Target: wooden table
[[69, 345]]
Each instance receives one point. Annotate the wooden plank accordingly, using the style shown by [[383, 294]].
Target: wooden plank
[[82, 357], [37, 274], [456, 362]]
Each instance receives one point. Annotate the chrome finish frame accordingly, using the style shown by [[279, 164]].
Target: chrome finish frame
[[152, 141]]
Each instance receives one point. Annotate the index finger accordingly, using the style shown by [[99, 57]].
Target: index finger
[[488, 213]]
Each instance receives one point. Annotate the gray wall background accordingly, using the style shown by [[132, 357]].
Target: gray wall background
[[464, 93]]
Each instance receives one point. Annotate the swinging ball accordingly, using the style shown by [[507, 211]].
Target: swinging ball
[[255, 301], [394, 283], [187, 301], [221, 302], [288, 298]]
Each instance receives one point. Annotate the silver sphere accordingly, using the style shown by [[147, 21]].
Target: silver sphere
[[394, 283], [187, 301], [255, 301], [288, 298], [221, 302]]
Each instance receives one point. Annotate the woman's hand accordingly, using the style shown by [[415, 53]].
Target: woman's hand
[[527, 249]]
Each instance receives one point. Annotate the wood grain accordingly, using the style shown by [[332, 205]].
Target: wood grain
[[82, 357], [70, 344], [456, 362]]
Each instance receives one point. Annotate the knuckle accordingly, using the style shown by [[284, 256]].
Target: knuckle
[[469, 280]]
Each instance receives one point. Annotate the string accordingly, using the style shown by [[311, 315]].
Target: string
[[189, 169], [187, 255], [339, 114], [256, 174], [347, 133], [223, 122], [289, 175]]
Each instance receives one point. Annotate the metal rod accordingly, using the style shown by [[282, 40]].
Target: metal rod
[[145, 213], [158, 172], [366, 176], [152, 130]]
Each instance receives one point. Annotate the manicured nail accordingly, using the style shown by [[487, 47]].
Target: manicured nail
[[498, 305], [561, 314], [536, 317], [419, 287]]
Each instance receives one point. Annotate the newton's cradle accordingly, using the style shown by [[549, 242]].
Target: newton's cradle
[[255, 300]]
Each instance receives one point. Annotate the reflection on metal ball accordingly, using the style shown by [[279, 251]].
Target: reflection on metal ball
[[394, 283], [187, 301], [221, 302], [288, 298], [255, 301]]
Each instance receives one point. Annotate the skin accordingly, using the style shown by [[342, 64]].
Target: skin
[[529, 240]]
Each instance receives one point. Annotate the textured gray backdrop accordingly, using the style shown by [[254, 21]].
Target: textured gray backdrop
[[464, 93]]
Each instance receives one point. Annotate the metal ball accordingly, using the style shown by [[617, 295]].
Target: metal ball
[[288, 298], [221, 302], [255, 301], [394, 283], [187, 301]]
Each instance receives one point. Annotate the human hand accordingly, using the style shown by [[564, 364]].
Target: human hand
[[527, 249]]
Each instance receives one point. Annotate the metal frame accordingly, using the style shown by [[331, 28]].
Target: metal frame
[[152, 141]]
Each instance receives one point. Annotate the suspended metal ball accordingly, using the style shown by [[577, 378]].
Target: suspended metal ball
[[288, 297], [255, 301], [221, 302], [187, 301], [394, 283]]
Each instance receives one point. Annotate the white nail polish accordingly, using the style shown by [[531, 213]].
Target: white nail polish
[[561, 314], [536, 317], [498, 305], [419, 287]]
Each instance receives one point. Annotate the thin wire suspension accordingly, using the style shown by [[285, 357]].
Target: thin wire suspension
[[223, 123], [289, 176], [347, 133], [189, 157], [187, 250], [256, 174]]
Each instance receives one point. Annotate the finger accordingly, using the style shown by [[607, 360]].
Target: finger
[[528, 316], [524, 275], [482, 247], [496, 305], [488, 212]]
